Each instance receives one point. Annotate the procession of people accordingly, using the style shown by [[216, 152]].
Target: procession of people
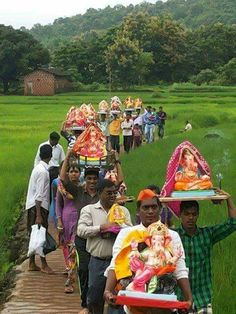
[[104, 253]]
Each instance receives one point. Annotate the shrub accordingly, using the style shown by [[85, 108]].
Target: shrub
[[205, 76]]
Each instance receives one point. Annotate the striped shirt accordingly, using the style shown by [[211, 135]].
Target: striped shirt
[[198, 253]]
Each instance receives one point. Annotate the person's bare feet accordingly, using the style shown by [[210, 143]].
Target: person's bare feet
[[47, 270], [84, 311], [34, 267]]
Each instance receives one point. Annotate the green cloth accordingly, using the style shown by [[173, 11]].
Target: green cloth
[[198, 251]]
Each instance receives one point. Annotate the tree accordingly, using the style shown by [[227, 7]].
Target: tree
[[227, 73], [19, 54], [211, 46], [205, 76], [126, 62]]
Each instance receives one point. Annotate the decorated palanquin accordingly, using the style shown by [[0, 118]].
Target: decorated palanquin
[[103, 107], [89, 112], [188, 177], [115, 104], [138, 103], [129, 104], [75, 119], [144, 269], [90, 147]]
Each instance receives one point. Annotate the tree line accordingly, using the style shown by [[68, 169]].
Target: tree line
[[143, 49], [190, 13], [150, 50]]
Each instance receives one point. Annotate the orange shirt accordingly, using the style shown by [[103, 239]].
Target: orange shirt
[[115, 127]]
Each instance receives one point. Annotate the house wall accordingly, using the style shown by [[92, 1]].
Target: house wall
[[39, 83], [62, 85]]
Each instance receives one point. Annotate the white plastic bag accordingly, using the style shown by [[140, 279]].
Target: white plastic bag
[[37, 240]]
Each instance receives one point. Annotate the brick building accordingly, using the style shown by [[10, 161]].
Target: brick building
[[48, 82]]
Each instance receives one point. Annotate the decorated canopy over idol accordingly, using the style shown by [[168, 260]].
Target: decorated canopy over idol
[[90, 147]]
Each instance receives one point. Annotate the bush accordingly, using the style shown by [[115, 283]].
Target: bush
[[205, 76], [80, 87], [227, 73]]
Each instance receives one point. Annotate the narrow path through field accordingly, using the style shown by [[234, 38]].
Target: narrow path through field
[[36, 292]]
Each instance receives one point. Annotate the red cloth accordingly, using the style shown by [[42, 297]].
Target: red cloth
[[140, 302]]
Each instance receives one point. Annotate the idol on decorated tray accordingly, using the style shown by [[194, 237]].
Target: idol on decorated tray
[[115, 104], [129, 103], [103, 107], [188, 178], [138, 103]]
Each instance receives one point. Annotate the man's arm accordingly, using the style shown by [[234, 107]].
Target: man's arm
[[40, 186], [109, 292], [85, 227], [184, 285], [221, 231]]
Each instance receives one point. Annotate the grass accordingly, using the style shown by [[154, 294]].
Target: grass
[[27, 121]]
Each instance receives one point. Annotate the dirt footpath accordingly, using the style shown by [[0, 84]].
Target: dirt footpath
[[36, 292]]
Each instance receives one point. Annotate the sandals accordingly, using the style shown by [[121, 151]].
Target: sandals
[[68, 286], [69, 289]]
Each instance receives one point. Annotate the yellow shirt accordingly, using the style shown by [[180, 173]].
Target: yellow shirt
[[115, 127]]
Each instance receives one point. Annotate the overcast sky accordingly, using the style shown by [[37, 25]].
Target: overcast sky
[[29, 12]]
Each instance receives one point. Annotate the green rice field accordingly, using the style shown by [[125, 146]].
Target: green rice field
[[27, 121]]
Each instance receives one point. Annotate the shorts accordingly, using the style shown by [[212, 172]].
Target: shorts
[[32, 217]]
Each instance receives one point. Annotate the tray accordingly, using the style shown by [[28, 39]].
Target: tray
[[141, 302], [185, 197]]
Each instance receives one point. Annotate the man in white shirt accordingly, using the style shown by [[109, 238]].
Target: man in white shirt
[[127, 130], [37, 200], [188, 126], [149, 208], [58, 155]]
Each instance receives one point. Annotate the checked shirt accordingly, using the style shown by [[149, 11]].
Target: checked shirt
[[198, 252]]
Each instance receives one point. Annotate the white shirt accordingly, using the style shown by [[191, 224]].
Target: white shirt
[[91, 217], [188, 127], [127, 127], [38, 189], [139, 120], [58, 155], [181, 270]]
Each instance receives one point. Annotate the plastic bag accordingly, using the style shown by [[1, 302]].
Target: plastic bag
[[50, 245], [37, 240]]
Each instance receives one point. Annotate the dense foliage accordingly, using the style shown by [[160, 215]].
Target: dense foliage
[[19, 54], [191, 13], [147, 49]]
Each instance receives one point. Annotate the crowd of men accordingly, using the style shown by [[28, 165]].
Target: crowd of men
[[92, 196]]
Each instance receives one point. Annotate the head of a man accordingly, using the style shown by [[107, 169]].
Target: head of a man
[[54, 138], [77, 132], [149, 109], [160, 109], [45, 152], [107, 193], [91, 178], [148, 207], [189, 212], [128, 116], [103, 117]]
